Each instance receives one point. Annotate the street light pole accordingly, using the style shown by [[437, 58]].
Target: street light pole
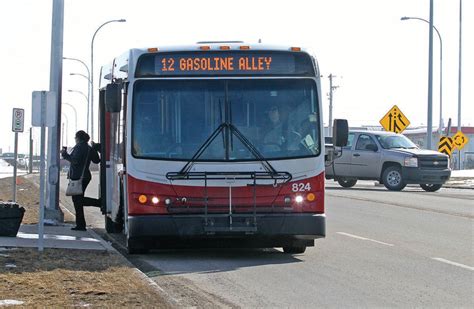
[[88, 96], [87, 99], [92, 70], [65, 131], [440, 70], [75, 114], [459, 78], [429, 137], [88, 86]]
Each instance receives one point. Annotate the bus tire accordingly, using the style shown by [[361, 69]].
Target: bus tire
[[294, 249], [136, 247], [347, 182], [111, 226]]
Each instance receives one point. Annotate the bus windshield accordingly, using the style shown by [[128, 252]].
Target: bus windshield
[[225, 119]]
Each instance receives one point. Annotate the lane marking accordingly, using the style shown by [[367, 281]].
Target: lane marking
[[452, 263], [366, 239]]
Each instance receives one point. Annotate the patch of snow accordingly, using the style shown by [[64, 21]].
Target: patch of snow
[[10, 266], [463, 173], [10, 302]]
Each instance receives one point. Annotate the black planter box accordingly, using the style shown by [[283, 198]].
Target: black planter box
[[10, 218]]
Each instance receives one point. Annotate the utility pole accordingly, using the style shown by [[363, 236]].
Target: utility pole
[[459, 79], [30, 158], [429, 135], [331, 90], [53, 212]]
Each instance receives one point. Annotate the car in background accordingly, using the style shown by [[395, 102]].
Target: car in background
[[8, 157], [35, 162], [390, 158], [21, 161]]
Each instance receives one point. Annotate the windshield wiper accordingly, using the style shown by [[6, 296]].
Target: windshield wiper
[[233, 131]]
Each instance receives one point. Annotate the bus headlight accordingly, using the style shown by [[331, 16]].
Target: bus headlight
[[299, 199], [155, 200], [411, 162]]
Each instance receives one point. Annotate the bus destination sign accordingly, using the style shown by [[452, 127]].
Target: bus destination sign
[[225, 63]]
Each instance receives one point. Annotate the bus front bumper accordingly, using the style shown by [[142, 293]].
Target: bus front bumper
[[296, 226]]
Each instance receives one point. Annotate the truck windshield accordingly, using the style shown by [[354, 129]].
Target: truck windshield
[[395, 141], [173, 119]]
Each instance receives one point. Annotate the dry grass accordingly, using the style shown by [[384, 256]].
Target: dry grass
[[27, 196], [69, 278]]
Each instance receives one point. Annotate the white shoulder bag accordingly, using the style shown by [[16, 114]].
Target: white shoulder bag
[[74, 187]]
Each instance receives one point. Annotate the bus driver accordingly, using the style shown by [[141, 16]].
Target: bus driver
[[281, 134]]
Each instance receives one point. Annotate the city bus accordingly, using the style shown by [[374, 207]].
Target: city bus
[[213, 143]]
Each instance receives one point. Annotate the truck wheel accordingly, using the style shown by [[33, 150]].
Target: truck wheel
[[294, 249], [347, 182], [393, 179], [429, 187]]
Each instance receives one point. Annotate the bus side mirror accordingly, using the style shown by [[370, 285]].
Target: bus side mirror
[[113, 98], [340, 132]]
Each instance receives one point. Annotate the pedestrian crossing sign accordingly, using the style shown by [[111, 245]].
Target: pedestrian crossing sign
[[394, 121]]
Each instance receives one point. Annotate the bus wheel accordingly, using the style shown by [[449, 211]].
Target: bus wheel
[[111, 226], [294, 249], [136, 247]]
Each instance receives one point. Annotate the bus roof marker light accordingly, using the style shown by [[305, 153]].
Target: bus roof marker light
[[205, 47], [224, 47], [152, 50], [296, 49], [299, 199], [244, 47]]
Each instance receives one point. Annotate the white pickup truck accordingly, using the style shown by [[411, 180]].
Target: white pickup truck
[[391, 159]]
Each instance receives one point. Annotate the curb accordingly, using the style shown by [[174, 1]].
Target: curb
[[170, 299], [107, 245], [458, 187]]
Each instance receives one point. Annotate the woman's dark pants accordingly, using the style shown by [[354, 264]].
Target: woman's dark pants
[[80, 201]]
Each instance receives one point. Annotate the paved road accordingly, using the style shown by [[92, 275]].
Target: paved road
[[398, 249]]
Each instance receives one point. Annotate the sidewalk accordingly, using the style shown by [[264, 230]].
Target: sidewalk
[[462, 179], [59, 237]]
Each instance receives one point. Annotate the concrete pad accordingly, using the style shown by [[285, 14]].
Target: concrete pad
[[55, 237]]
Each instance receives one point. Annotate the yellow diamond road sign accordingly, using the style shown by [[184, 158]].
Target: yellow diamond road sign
[[459, 140], [446, 145], [394, 120]]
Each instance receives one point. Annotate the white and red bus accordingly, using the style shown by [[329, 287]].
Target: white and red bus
[[217, 141]]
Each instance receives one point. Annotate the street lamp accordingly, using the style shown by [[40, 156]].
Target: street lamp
[[88, 96], [75, 114], [65, 129], [85, 97], [88, 84], [440, 70], [92, 69]]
